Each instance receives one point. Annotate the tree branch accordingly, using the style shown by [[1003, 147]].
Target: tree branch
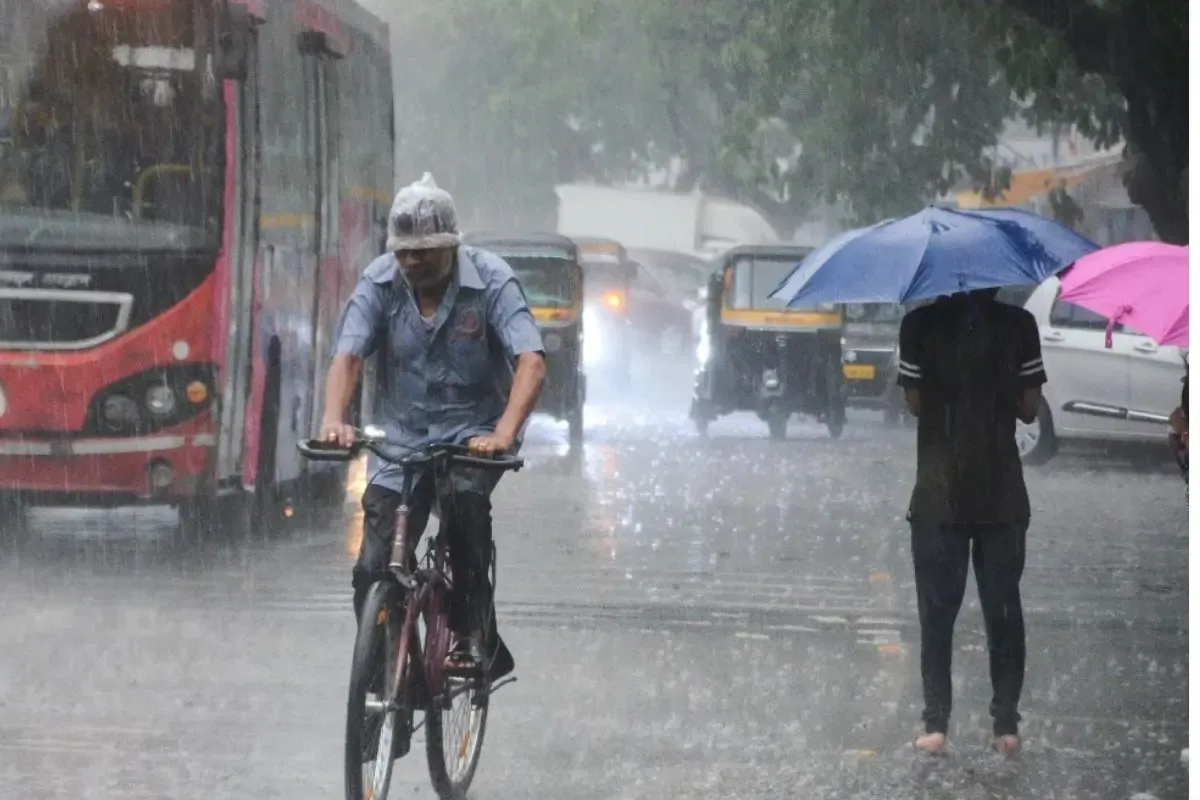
[[1090, 33]]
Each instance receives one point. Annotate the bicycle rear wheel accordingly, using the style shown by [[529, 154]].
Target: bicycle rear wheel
[[375, 735], [456, 716]]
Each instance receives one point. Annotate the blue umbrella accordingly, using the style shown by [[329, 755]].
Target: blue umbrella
[[936, 252]]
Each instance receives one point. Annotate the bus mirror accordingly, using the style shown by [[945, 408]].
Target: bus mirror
[[232, 53]]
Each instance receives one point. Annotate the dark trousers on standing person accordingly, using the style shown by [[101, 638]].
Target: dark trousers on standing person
[[941, 553], [470, 545]]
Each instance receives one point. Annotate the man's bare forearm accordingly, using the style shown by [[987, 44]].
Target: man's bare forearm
[[526, 389], [340, 383], [912, 398], [1027, 405]]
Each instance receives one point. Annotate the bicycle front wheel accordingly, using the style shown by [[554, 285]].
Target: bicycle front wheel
[[456, 716], [377, 730]]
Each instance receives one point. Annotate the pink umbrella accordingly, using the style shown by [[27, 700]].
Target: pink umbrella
[[1143, 285]]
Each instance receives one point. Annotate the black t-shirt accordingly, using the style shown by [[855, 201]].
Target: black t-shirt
[[970, 360]]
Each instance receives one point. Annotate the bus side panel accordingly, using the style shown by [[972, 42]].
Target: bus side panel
[[259, 349], [282, 370], [292, 297]]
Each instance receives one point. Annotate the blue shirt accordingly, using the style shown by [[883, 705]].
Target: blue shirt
[[447, 379]]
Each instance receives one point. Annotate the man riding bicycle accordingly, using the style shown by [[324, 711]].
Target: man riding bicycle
[[448, 323]]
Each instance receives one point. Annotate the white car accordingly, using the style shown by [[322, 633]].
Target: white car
[[1125, 393]]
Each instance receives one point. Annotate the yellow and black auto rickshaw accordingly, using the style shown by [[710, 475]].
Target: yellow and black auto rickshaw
[[547, 265], [609, 343], [757, 355]]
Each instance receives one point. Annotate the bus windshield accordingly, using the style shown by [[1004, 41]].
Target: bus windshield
[[545, 279], [109, 110]]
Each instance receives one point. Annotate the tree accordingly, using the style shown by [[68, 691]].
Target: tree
[[1115, 66], [503, 99], [896, 102], [877, 106]]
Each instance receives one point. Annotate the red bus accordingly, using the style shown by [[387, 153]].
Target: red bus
[[189, 190]]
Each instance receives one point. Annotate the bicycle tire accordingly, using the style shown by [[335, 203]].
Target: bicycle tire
[[375, 644], [437, 637]]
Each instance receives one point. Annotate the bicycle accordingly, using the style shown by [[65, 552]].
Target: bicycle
[[393, 674]]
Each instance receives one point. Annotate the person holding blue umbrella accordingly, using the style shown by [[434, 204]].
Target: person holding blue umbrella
[[970, 368]]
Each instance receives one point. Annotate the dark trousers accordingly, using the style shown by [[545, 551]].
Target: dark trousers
[[940, 555], [470, 541]]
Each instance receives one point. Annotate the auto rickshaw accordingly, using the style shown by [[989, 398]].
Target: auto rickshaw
[[609, 344], [758, 355], [870, 357], [547, 265]]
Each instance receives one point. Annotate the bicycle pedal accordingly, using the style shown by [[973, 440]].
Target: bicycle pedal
[[402, 739]]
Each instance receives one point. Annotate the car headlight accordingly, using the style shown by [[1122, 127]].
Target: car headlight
[[850, 356], [160, 400]]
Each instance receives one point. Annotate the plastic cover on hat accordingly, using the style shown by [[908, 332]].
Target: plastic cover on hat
[[423, 217]]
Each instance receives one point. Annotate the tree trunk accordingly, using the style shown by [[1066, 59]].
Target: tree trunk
[[1157, 186], [1143, 46]]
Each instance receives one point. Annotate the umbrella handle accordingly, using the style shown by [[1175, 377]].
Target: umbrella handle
[[1112, 324]]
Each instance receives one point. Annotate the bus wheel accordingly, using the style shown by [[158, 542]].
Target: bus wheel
[[199, 521], [14, 520], [227, 518]]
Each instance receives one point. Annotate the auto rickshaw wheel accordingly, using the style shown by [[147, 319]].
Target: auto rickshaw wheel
[[701, 424], [777, 426], [836, 423]]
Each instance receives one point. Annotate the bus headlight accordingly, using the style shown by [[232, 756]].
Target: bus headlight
[[152, 400], [120, 411], [160, 400]]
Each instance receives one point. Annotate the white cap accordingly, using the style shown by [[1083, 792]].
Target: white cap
[[423, 217]]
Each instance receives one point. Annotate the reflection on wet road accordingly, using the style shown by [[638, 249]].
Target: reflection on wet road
[[721, 618]]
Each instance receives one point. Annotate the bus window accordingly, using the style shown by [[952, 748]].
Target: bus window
[[109, 114]]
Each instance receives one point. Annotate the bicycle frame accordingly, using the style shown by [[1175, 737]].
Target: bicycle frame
[[426, 588]]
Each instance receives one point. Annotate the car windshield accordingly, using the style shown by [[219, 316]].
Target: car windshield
[[754, 279], [545, 279], [107, 112]]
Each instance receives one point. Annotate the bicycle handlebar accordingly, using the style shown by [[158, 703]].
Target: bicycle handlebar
[[318, 450]]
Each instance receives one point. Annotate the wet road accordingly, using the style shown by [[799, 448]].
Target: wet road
[[730, 618]]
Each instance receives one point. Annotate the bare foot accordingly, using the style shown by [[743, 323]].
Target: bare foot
[[1008, 745], [931, 744]]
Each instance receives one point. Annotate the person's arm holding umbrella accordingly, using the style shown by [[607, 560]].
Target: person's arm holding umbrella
[[909, 368], [1032, 373]]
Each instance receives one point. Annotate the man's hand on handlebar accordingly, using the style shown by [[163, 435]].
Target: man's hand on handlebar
[[338, 433], [491, 446]]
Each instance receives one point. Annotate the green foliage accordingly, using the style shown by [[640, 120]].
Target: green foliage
[[878, 106], [502, 99]]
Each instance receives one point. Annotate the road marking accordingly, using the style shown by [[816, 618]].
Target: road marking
[[792, 628]]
